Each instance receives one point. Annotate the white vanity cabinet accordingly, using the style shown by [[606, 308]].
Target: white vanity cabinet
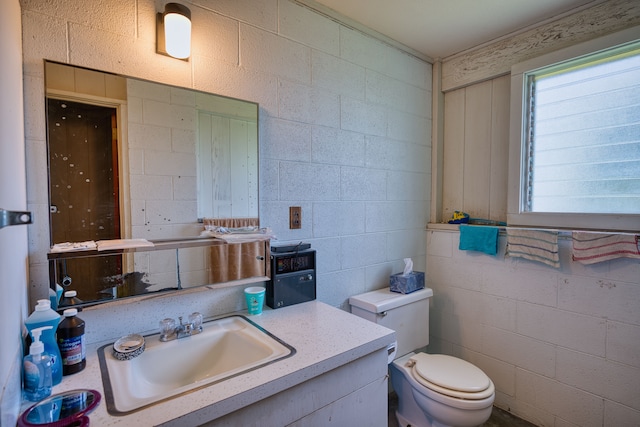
[[351, 395], [337, 377]]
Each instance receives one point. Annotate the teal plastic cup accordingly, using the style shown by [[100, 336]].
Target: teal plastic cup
[[255, 299]]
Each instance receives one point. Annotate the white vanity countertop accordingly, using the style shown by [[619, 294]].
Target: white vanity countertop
[[324, 338]]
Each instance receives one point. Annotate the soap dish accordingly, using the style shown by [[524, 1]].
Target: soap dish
[[128, 347]]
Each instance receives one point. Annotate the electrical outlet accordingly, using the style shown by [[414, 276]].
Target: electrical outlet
[[295, 217]]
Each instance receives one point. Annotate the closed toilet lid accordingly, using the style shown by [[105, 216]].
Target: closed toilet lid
[[451, 376]]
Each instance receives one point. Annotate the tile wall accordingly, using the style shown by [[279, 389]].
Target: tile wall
[[345, 125], [561, 345]]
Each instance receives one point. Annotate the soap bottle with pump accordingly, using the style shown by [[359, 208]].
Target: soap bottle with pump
[[37, 369], [45, 316]]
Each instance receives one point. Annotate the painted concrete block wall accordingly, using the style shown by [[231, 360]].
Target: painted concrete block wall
[[13, 240], [561, 345], [344, 130]]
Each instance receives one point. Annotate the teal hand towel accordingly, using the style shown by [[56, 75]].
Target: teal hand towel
[[479, 238]]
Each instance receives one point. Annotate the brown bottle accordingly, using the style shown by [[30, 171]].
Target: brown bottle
[[71, 342]]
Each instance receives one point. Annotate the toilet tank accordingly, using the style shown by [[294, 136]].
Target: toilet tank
[[407, 314]]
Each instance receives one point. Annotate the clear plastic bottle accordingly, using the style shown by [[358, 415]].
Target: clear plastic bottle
[[71, 342], [43, 315], [37, 369]]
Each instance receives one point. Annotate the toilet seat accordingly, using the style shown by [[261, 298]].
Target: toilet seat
[[451, 376]]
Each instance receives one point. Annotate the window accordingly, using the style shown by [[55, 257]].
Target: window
[[576, 131]]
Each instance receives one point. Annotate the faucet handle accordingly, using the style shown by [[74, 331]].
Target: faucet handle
[[167, 328], [195, 318]]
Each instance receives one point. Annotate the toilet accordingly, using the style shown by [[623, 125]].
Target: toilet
[[433, 389]]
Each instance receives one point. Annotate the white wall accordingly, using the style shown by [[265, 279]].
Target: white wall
[[13, 240], [561, 345], [344, 130]]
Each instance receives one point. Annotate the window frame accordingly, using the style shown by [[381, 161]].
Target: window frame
[[516, 213]]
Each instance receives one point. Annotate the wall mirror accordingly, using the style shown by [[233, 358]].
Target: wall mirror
[[132, 159]]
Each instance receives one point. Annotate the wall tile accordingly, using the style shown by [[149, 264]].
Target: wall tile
[[226, 79], [338, 147], [263, 14], [624, 270], [411, 128], [364, 249], [215, 36], [149, 187], [299, 181], [562, 328], [390, 154], [143, 136], [337, 75], [170, 212], [613, 381], [287, 140], [538, 287], [439, 244], [370, 53], [268, 53], [527, 353], [377, 276], [332, 219], [580, 408], [502, 374], [396, 215], [619, 415], [305, 104], [37, 164], [406, 244], [363, 117], [48, 40], [362, 184], [328, 257], [396, 95], [623, 342], [163, 163], [185, 188], [269, 173], [407, 185], [336, 288], [600, 297], [302, 25]]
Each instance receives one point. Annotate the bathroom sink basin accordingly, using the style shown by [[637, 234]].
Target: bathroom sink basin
[[226, 347]]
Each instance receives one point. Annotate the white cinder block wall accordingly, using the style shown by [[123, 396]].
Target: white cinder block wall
[[561, 345], [345, 124]]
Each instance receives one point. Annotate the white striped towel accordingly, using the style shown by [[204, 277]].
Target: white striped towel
[[589, 248], [534, 245]]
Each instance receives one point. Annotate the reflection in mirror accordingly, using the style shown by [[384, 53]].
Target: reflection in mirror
[[69, 408], [135, 159]]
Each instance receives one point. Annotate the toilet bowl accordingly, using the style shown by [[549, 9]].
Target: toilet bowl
[[436, 390]]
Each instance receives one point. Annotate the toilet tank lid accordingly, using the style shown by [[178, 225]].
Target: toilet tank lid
[[383, 299]]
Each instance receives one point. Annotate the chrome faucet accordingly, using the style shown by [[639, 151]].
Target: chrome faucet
[[170, 331]]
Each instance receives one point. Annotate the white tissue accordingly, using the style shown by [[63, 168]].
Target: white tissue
[[408, 267]]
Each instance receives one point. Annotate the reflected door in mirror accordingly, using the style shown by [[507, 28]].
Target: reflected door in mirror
[[83, 187]]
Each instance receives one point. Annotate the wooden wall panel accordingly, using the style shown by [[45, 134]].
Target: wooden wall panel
[[477, 150], [500, 101], [453, 153]]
